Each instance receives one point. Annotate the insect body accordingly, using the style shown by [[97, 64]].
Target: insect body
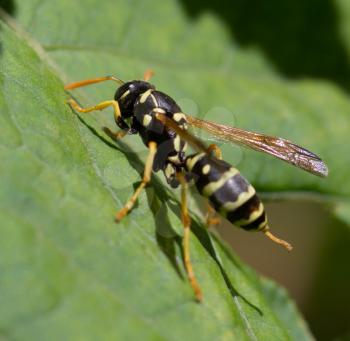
[[140, 108], [170, 147], [228, 191], [231, 195], [140, 102]]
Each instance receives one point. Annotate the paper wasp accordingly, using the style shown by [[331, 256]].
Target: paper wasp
[[141, 109]]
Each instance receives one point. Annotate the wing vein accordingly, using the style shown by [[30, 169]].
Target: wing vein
[[276, 146]]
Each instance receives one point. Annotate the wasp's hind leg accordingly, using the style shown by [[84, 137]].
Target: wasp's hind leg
[[186, 221], [276, 240], [211, 218], [145, 180]]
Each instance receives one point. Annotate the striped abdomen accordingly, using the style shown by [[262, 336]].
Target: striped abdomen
[[228, 191]]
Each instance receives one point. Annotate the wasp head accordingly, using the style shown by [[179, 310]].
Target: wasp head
[[127, 94]]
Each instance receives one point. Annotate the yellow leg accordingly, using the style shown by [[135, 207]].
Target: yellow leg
[[276, 240], [213, 148], [86, 82], [211, 217], [145, 180], [100, 106], [186, 221], [115, 135], [148, 75]]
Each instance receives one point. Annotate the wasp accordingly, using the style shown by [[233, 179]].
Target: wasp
[[141, 109]]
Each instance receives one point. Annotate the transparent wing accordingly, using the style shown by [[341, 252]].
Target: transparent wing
[[193, 141], [275, 146]]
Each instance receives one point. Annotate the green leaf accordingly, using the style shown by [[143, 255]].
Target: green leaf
[[199, 63], [342, 211], [286, 310], [67, 271]]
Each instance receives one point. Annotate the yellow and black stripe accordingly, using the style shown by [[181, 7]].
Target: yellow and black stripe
[[228, 191], [171, 148]]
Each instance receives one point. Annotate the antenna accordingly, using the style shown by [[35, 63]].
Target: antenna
[[86, 82]]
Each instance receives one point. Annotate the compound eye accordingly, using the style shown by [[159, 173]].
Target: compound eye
[[122, 92]]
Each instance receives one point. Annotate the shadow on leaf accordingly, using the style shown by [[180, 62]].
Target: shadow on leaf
[[300, 38], [8, 6]]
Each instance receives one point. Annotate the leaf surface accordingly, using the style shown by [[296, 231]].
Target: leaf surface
[[198, 64], [69, 269]]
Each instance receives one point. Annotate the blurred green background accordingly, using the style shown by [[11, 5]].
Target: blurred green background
[[314, 273], [282, 67]]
